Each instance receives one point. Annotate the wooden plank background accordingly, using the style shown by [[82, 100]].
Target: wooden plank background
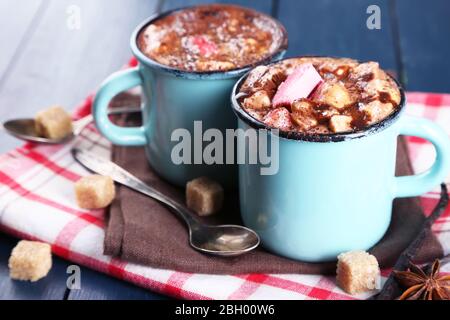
[[45, 63]]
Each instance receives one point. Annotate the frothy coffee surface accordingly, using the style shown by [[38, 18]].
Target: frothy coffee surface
[[211, 38], [349, 96]]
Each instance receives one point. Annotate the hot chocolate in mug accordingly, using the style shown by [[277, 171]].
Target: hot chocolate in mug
[[174, 99], [332, 193]]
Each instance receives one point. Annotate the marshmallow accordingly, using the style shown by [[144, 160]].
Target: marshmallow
[[298, 85], [258, 100], [341, 123], [278, 118], [205, 46]]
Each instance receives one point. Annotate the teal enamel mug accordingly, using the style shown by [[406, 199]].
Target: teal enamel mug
[[174, 99], [334, 192]]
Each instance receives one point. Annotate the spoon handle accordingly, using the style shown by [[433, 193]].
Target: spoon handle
[[80, 124], [120, 175]]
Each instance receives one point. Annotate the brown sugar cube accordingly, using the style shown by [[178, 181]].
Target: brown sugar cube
[[94, 191], [339, 123], [357, 271], [53, 123], [204, 196], [30, 260]]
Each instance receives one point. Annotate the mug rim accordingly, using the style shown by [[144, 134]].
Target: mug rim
[[232, 73], [315, 137]]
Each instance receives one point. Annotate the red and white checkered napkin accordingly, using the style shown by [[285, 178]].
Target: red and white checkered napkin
[[37, 202]]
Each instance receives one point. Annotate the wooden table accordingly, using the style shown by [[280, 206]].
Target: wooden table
[[45, 59]]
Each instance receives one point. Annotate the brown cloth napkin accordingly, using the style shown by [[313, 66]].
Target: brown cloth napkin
[[143, 231]]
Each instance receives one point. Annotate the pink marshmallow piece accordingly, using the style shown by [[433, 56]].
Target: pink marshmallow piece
[[297, 85], [205, 46], [278, 118]]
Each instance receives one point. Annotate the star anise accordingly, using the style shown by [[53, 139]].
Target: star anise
[[423, 283]]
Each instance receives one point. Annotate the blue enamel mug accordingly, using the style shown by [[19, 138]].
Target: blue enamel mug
[[332, 193], [173, 99]]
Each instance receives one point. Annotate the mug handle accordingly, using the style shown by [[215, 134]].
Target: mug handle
[[415, 185], [114, 84]]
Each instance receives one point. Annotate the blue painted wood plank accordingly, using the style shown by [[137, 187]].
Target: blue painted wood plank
[[337, 27], [261, 5], [98, 286], [13, 35], [52, 287], [424, 28]]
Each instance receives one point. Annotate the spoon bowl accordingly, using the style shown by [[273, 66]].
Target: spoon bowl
[[219, 240], [24, 129], [223, 240]]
